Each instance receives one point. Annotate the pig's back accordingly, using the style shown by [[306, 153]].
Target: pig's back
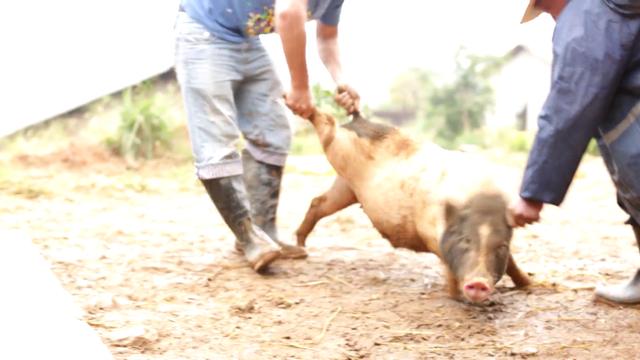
[[463, 175]]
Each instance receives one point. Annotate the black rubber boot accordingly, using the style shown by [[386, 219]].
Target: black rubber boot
[[626, 293], [230, 198], [263, 185]]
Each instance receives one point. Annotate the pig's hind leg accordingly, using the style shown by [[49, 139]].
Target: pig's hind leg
[[520, 279], [338, 197]]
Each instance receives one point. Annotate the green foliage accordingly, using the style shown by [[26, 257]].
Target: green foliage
[[324, 102], [510, 140], [461, 105], [144, 125], [412, 91], [519, 141], [474, 137], [592, 148], [306, 143], [453, 109]]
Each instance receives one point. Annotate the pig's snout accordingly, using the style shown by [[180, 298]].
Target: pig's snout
[[477, 290]]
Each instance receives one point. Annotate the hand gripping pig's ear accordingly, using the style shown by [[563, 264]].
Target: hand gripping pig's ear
[[511, 221]]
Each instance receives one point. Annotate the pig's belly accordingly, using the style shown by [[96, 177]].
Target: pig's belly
[[390, 204]]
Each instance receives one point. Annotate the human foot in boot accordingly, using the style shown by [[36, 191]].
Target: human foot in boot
[[229, 196], [263, 185]]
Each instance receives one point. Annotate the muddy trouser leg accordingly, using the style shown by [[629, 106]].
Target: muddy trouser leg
[[263, 184], [208, 72], [263, 121]]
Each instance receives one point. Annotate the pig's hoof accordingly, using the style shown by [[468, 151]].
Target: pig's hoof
[[293, 252], [522, 282], [301, 242]]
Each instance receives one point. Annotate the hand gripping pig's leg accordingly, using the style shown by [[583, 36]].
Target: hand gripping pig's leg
[[520, 279], [338, 197]]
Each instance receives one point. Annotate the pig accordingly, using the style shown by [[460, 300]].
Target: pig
[[422, 198]]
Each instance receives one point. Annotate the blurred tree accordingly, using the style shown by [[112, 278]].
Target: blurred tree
[[452, 109], [412, 90], [324, 102], [462, 104]]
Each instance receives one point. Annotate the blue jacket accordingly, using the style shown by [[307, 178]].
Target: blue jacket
[[595, 83]]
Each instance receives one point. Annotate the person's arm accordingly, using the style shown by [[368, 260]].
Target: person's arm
[[290, 17], [329, 51], [327, 36], [591, 50]]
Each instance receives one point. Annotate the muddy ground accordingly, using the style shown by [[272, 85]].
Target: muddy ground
[[147, 257]]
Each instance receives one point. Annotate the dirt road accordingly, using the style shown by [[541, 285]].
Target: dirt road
[[145, 254]]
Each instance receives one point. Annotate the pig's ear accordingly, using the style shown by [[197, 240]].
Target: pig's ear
[[451, 211], [509, 217]]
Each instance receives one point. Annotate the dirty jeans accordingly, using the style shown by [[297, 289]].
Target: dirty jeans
[[229, 89], [620, 149]]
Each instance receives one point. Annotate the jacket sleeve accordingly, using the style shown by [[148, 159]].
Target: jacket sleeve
[[591, 47]]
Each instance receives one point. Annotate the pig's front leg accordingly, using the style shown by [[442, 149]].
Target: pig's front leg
[[338, 197], [520, 279], [453, 286]]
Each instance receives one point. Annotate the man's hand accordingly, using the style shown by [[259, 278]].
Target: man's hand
[[300, 102], [290, 16], [348, 98], [523, 212]]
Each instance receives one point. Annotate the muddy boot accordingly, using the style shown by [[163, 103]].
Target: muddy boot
[[626, 293], [229, 196], [263, 185]]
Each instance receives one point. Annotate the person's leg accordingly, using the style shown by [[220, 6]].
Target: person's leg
[[208, 73], [263, 183], [264, 124], [230, 198], [620, 149], [628, 293]]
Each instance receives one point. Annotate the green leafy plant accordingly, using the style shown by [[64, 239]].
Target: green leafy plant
[[324, 102], [144, 125], [462, 104]]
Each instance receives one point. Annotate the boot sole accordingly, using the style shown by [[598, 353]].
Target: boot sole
[[265, 260], [295, 256], [603, 300]]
